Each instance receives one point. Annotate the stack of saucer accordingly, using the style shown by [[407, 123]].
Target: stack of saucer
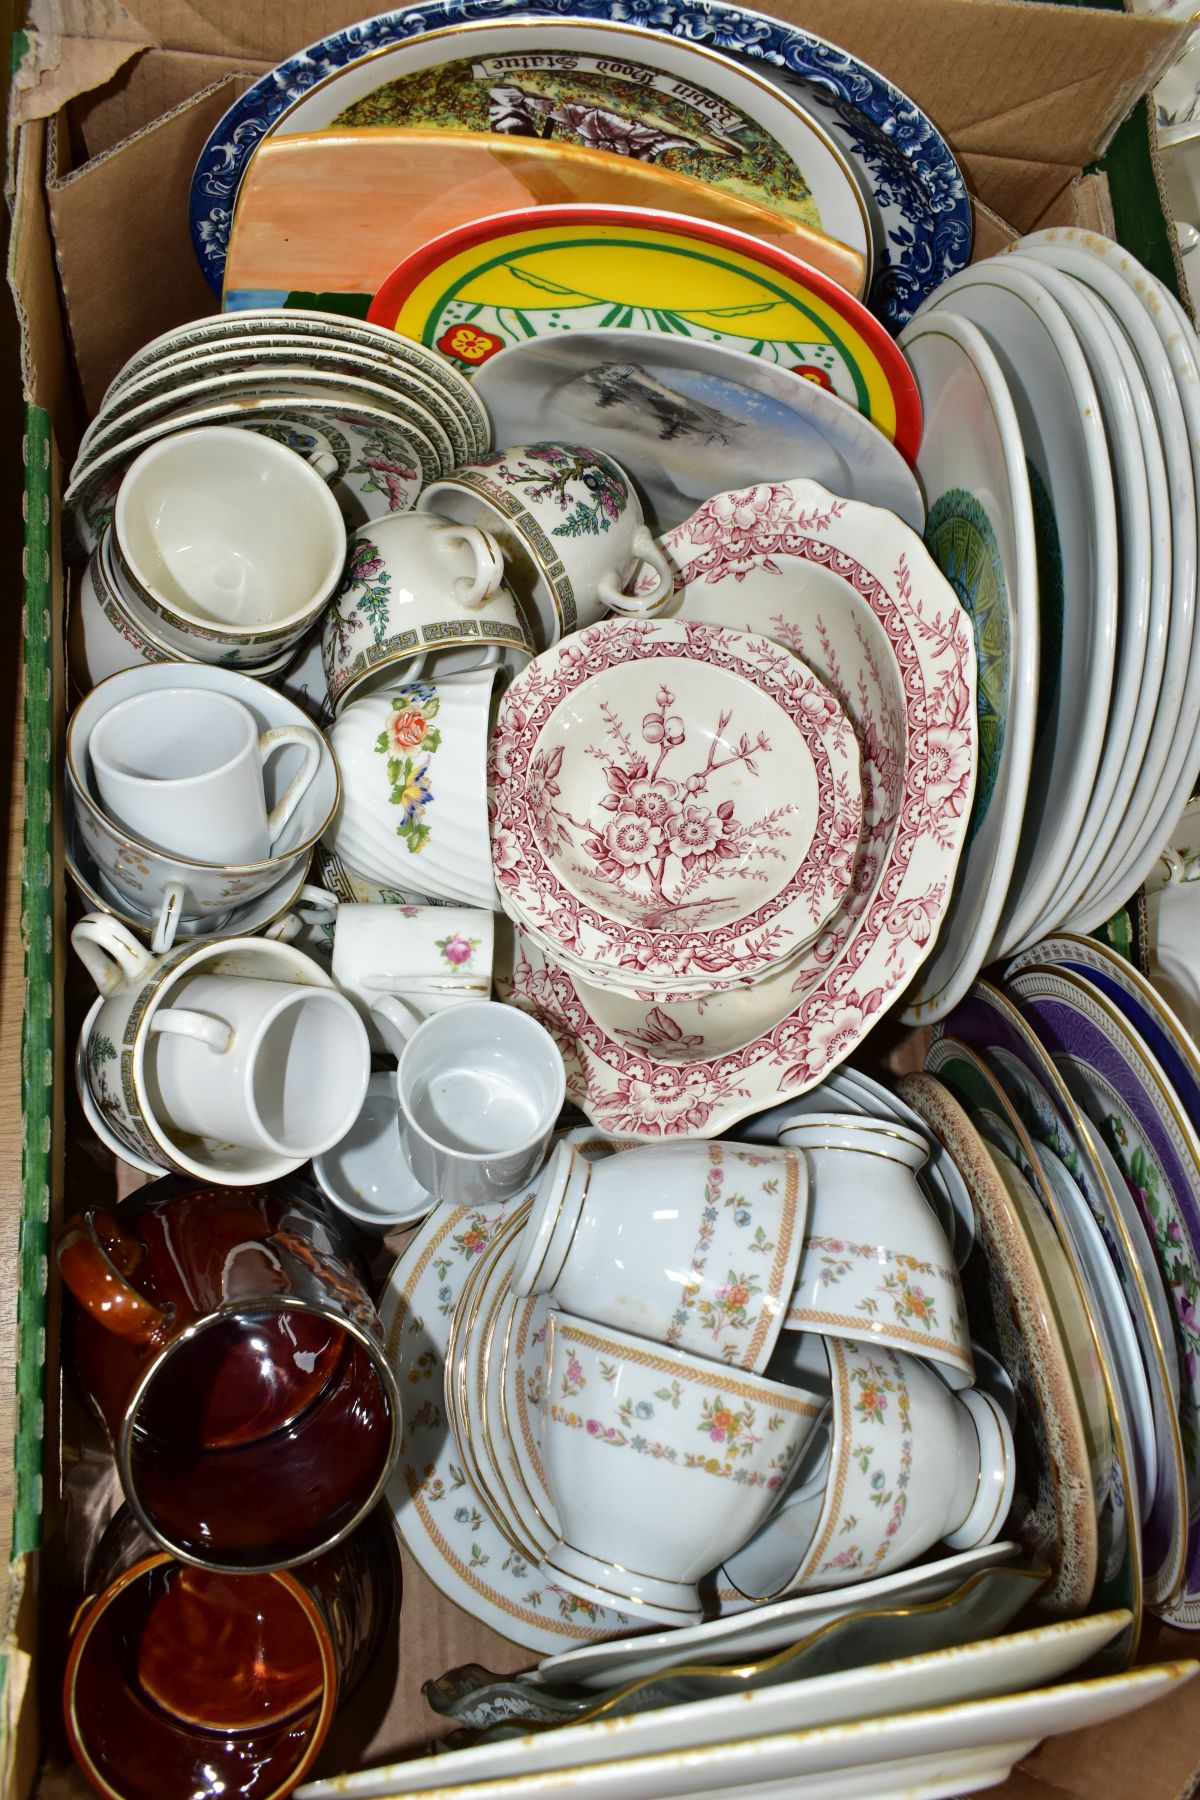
[[379, 416]]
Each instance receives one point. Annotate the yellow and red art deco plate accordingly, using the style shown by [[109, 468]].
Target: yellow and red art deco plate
[[499, 281]]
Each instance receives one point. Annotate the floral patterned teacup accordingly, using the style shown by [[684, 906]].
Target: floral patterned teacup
[[414, 808], [419, 593], [910, 1464], [431, 957], [660, 1464], [570, 525], [876, 1262], [687, 1244]]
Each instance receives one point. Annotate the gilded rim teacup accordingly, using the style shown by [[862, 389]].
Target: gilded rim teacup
[[660, 1464]]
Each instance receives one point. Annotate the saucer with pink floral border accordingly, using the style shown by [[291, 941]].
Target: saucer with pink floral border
[[853, 591], [673, 799]]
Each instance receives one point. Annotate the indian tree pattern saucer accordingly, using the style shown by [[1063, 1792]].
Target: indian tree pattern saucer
[[627, 845], [980, 532], [859, 599], [1017, 1285], [438, 1513], [914, 189], [543, 270], [377, 471]]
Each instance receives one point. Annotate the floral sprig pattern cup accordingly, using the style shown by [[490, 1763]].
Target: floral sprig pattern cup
[[658, 1463], [876, 1262], [691, 1245], [910, 1464], [570, 526]]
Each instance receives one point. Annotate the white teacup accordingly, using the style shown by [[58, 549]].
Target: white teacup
[[909, 1464], [690, 1244], [182, 770], [229, 538], [659, 1464], [419, 592], [414, 807], [876, 1263], [480, 1089], [570, 525], [266, 1065], [138, 990]]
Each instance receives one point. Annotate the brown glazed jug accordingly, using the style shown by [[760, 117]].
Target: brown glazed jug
[[225, 1339], [222, 1687]]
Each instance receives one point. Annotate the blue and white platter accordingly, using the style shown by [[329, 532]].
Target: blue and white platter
[[914, 189]]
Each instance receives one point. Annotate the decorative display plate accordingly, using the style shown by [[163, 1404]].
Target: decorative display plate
[[1128, 1098], [1076, 527], [376, 473], [675, 411], [437, 1510], [675, 799], [921, 214], [481, 287], [980, 531], [859, 599], [1025, 1307], [1182, 748], [1145, 1465]]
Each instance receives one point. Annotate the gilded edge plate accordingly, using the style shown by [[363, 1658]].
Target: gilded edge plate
[[1055, 1447], [1158, 1549], [1129, 1099], [438, 1513], [481, 287]]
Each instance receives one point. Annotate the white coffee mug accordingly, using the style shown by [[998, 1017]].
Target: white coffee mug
[[480, 1088], [265, 1065], [433, 956], [182, 770]]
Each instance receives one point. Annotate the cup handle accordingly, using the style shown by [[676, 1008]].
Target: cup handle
[[110, 953], [97, 1275], [404, 985], [269, 741], [179, 1022], [646, 549], [396, 1022], [323, 461], [473, 590], [168, 919], [310, 898]]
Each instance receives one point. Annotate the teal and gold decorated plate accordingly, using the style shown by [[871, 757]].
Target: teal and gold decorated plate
[[979, 529]]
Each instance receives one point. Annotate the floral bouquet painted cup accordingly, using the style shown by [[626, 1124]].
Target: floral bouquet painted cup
[[688, 1244], [876, 1262], [659, 1464], [570, 525], [420, 594], [414, 808], [900, 1464]]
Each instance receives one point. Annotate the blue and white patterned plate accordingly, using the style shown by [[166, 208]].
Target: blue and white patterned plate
[[915, 192]]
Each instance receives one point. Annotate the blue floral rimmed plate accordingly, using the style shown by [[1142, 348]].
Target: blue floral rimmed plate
[[914, 189]]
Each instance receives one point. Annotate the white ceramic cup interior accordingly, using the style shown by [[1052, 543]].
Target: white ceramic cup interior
[[230, 530], [480, 1088], [182, 770], [266, 1065]]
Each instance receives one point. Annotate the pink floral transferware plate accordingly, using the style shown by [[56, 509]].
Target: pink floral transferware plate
[[852, 591], [673, 799]]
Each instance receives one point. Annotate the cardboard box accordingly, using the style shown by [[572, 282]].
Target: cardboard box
[[111, 104]]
